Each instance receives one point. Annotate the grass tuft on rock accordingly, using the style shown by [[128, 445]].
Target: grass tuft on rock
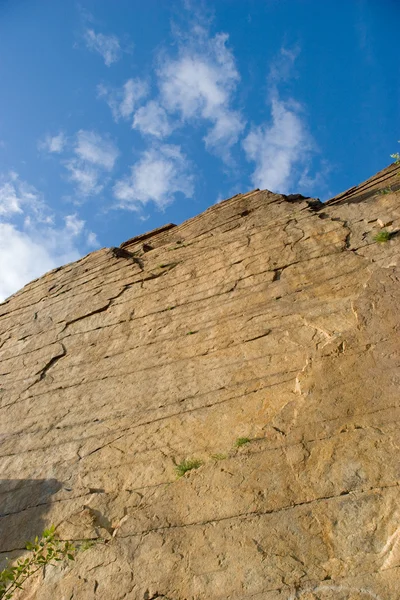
[[383, 236], [187, 465], [241, 441], [218, 456]]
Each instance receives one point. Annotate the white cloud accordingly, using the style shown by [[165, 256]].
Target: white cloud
[[157, 177], [225, 132], [123, 101], [282, 67], [133, 91], [92, 240], [93, 148], [21, 259], [74, 225], [30, 242], [94, 155], [152, 119], [200, 84], [25, 255], [85, 177], [106, 45], [55, 143], [197, 85], [17, 195], [282, 147], [10, 201], [278, 148]]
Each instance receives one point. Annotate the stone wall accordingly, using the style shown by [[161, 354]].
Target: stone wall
[[270, 318]]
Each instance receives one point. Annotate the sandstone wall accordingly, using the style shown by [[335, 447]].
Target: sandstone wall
[[266, 317]]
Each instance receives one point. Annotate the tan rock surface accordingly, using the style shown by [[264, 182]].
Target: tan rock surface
[[266, 317]]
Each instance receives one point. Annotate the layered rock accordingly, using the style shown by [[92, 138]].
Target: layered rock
[[271, 318]]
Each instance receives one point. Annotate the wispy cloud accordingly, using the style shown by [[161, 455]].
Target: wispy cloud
[[16, 196], [30, 241], [108, 46], [152, 119], [85, 177], [282, 67], [53, 143], [159, 175], [123, 101], [282, 147], [91, 240], [199, 84], [74, 225], [278, 147], [95, 149], [87, 156], [94, 155], [10, 200], [22, 259]]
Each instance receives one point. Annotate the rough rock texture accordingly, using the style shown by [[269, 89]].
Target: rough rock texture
[[268, 317]]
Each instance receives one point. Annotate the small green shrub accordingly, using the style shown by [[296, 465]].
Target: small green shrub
[[396, 157], [382, 236], [384, 191], [241, 441], [218, 456], [44, 551], [187, 465]]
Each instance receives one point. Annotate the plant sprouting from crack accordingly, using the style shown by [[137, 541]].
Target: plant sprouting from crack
[[46, 550], [241, 441], [219, 456], [383, 236], [187, 465], [386, 190]]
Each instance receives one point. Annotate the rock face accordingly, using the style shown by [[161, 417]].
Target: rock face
[[266, 317]]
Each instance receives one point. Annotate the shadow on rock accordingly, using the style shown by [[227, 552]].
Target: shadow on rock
[[23, 506]]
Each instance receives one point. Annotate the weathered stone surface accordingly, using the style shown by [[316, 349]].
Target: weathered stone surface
[[268, 317]]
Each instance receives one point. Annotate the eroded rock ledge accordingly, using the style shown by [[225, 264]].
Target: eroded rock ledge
[[267, 317]]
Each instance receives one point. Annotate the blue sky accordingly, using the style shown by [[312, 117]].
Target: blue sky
[[119, 117]]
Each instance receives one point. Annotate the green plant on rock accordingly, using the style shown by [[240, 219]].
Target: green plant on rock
[[46, 550], [396, 157], [218, 456], [384, 191], [187, 465], [241, 441], [382, 236]]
